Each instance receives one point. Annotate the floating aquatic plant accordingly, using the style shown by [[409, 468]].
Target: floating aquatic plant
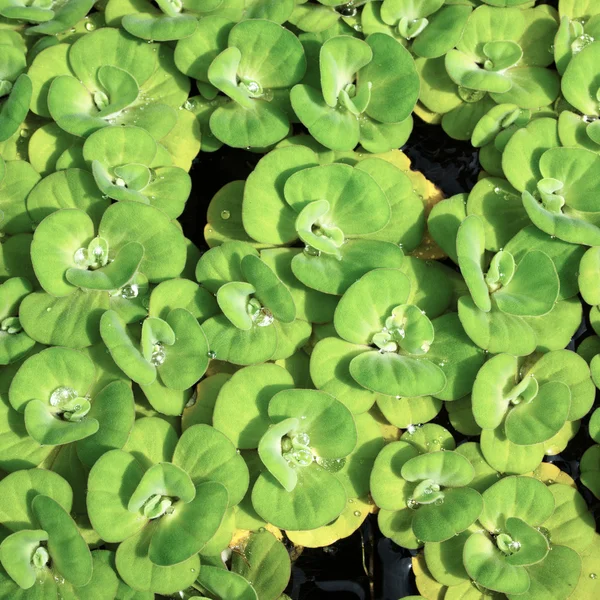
[[174, 418]]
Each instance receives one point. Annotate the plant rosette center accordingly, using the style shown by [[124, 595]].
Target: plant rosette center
[[260, 315], [549, 193], [296, 450], [317, 231], [407, 331], [506, 544], [426, 492], [95, 256], [11, 325], [66, 403], [156, 506]]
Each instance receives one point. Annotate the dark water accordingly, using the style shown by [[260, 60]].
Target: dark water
[[367, 566]]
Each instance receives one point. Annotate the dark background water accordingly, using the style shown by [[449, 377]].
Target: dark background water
[[366, 565]]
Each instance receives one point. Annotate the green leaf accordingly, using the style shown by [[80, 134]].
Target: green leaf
[[112, 481], [525, 498], [70, 188], [507, 457], [470, 249], [569, 368], [269, 289], [18, 181], [222, 264], [358, 256], [389, 490], [559, 572], [181, 534], [113, 276], [42, 374], [240, 347], [540, 419], [340, 58], [164, 479], [534, 546], [394, 77], [48, 429], [330, 372], [113, 409], [496, 331], [318, 499], [124, 350], [486, 564], [257, 39], [208, 455], [270, 453], [438, 522], [72, 321], [266, 563], [327, 422], [16, 553], [226, 584], [335, 129], [571, 522], [20, 488], [263, 194], [396, 375], [140, 573], [241, 408], [447, 469], [15, 107], [356, 204], [367, 303], [566, 257], [70, 555]]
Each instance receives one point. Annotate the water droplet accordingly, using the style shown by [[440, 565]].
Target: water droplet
[[593, 576], [350, 501], [333, 465], [24, 133], [225, 214], [158, 355], [581, 42], [302, 439], [310, 251], [253, 87], [357, 513], [48, 309], [551, 49], [61, 395], [303, 457], [263, 317], [192, 400], [412, 504], [212, 354], [90, 26], [347, 10], [411, 429], [130, 291], [188, 105]]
